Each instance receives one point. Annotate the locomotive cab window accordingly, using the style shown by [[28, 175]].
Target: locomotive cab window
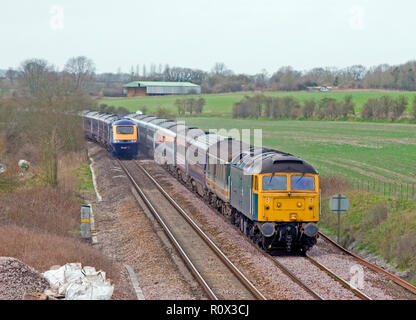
[[274, 183], [302, 183], [125, 130]]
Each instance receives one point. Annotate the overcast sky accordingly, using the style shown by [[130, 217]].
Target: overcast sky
[[247, 36]]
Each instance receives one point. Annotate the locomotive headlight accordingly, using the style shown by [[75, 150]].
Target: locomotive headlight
[[311, 229], [299, 204], [279, 205], [293, 216], [267, 229]]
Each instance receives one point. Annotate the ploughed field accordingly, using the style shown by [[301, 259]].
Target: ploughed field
[[222, 103], [371, 151]]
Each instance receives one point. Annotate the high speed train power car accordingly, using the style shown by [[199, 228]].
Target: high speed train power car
[[118, 135], [271, 196]]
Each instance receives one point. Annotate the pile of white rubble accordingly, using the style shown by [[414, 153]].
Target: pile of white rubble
[[78, 283]]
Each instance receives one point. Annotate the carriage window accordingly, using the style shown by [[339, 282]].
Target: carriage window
[[125, 130], [275, 183]]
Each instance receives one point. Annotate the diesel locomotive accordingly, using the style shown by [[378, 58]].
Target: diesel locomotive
[[271, 196]]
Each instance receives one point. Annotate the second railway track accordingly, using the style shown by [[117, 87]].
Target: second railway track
[[218, 276]]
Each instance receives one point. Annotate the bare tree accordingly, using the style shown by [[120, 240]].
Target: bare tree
[[81, 70], [34, 72], [11, 75]]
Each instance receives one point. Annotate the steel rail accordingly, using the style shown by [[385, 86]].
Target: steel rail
[[243, 279], [337, 278], [169, 233], [295, 278], [404, 284]]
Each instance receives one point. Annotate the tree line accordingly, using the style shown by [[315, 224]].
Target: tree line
[[221, 79], [261, 106]]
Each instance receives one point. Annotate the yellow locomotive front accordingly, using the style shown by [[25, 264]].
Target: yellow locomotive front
[[288, 209], [289, 197]]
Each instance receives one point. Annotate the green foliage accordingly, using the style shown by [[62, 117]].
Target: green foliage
[[289, 107], [414, 108], [384, 108], [84, 176], [222, 103], [190, 105], [384, 226]]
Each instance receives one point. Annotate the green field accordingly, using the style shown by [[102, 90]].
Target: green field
[[221, 104], [383, 152], [373, 151]]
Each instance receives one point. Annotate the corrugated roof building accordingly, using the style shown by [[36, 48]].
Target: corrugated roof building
[[149, 88]]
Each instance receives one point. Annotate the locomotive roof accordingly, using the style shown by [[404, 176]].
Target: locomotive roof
[[263, 160], [124, 122], [101, 116]]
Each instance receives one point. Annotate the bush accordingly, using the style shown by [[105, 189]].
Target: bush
[[110, 92], [190, 105], [414, 108], [122, 111], [308, 109], [162, 112], [406, 248], [384, 108], [333, 185]]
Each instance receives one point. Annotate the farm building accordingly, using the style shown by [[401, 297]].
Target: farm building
[[154, 88]]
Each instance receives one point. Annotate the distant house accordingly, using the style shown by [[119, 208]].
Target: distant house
[[319, 89], [158, 88]]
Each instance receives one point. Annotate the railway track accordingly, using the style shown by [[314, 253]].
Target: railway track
[[337, 278], [291, 274], [402, 283], [217, 275]]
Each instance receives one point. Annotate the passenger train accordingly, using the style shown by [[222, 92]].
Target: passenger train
[[118, 135], [271, 196]]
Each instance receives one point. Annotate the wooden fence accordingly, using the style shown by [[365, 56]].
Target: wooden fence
[[404, 191]]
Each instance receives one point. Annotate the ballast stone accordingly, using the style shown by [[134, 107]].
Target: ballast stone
[[17, 279]]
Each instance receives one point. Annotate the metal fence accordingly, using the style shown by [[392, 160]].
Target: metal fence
[[404, 191]]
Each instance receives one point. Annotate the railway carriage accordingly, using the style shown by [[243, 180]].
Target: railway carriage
[[165, 145], [197, 161], [220, 156]]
